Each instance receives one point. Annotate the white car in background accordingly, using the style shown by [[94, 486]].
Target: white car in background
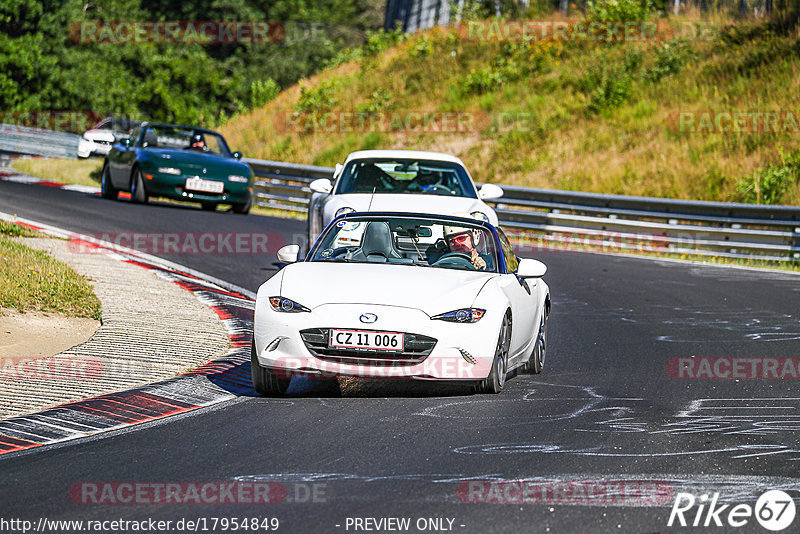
[[101, 136], [401, 298], [399, 181]]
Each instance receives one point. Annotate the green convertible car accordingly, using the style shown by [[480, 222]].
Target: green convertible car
[[181, 163]]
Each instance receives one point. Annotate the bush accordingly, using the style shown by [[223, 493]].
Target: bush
[[670, 59], [377, 101], [769, 185], [261, 93], [317, 98], [607, 85], [380, 41], [619, 10]]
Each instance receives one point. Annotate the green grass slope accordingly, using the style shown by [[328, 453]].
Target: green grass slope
[[578, 114]]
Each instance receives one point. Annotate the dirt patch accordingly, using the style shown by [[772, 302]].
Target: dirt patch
[[37, 334]]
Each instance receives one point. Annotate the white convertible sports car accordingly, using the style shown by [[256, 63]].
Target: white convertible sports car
[[398, 180], [393, 295]]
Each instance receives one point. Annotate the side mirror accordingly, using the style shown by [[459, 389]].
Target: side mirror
[[531, 268], [289, 253], [237, 155], [321, 185], [490, 192], [126, 142]]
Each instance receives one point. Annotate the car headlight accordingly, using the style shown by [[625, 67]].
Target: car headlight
[[465, 315], [238, 179], [343, 211], [282, 304], [169, 170], [479, 215]]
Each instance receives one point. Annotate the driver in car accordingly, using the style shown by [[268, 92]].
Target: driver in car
[[465, 240], [198, 143]]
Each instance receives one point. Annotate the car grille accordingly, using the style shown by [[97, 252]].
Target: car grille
[[415, 349]]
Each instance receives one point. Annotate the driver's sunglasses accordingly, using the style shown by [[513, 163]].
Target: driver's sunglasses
[[459, 239]]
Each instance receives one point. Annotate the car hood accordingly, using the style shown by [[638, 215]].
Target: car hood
[[431, 289], [99, 135], [436, 204], [192, 159]]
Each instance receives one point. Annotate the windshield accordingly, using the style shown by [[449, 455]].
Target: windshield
[[156, 136], [410, 241], [405, 176]]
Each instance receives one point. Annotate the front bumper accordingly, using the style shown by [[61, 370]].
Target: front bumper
[[172, 186], [87, 147], [295, 343]]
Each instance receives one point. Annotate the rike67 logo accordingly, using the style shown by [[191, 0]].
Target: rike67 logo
[[774, 510]]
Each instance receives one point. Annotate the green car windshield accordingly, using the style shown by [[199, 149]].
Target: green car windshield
[[410, 241], [173, 137]]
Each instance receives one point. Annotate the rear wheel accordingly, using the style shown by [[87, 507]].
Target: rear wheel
[[106, 188], [264, 381], [138, 192], [497, 376]]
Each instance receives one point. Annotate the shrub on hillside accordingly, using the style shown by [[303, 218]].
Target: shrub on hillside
[[770, 184], [317, 98], [620, 10]]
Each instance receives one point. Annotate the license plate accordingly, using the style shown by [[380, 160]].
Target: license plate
[[361, 339], [206, 186]]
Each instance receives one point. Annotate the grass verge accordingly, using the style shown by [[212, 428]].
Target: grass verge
[[63, 171], [33, 280]]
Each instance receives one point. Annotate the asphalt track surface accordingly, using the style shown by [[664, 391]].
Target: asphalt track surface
[[605, 409]]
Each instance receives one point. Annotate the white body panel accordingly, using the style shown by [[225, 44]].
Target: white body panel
[[404, 298]]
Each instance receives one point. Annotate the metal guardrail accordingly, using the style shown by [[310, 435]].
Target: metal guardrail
[[45, 143], [552, 218]]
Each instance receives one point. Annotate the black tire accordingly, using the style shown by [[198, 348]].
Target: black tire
[[497, 376], [243, 209], [209, 206], [138, 192], [106, 187], [535, 364], [264, 381]]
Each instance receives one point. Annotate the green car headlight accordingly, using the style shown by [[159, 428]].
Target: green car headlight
[[169, 170], [238, 179]]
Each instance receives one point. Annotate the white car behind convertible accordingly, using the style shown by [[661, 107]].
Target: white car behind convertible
[[394, 295], [398, 180]]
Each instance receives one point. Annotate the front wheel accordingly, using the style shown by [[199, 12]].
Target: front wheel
[[264, 381], [243, 209], [535, 363], [138, 192], [497, 376], [106, 187]]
